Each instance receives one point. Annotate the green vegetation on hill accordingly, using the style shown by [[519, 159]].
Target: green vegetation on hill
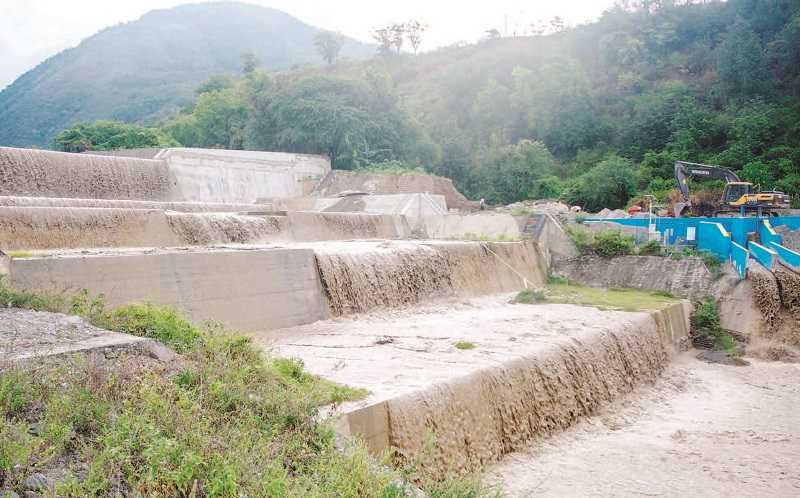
[[144, 70], [593, 114]]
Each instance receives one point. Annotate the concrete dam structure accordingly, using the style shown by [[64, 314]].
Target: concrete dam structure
[[381, 291]]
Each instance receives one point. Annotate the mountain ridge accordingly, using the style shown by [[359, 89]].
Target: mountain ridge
[[142, 70]]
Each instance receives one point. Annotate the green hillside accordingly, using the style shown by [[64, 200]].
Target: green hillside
[[141, 70], [595, 114]]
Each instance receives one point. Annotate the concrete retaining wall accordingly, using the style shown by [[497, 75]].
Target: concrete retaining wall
[[243, 289], [448, 226], [309, 226], [687, 277], [209, 175]]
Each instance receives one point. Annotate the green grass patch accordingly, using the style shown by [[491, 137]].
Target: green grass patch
[[608, 299], [650, 248], [19, 254], [530, 296], [464, 345], [713, 263], [482, 237]]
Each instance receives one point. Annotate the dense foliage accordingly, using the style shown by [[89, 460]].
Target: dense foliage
[[595, 114], [110, 135]]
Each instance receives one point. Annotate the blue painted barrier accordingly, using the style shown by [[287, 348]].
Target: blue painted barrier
[[713, 237], [767, 257], [738, 227], [786, 255], [768, 234], [739, 257]]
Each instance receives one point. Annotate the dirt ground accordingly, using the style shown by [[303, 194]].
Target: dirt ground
[[701, 430]]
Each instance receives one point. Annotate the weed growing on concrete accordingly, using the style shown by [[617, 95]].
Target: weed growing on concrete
[[555, 279], [464, 345], [713, 263], [530, 296], [706, 331], [580, 219], [12, 298], [18, 254], [651, 248], [606, 244]]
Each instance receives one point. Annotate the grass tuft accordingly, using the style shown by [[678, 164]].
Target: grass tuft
[[530, 296], [464, 345]]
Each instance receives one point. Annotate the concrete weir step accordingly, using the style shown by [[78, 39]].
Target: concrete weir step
[[458, 385], [262, 287]]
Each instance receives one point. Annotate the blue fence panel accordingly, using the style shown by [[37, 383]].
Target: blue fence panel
[[788, 256], [739, 257], [767, 257], [767, 234], [793, 222], [714, 238], [738, 227]]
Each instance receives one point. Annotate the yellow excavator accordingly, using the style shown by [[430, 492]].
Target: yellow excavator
[[738, 197]]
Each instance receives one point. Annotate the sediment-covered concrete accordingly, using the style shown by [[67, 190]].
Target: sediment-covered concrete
[[466, 226], [245, 289], [532, 370]]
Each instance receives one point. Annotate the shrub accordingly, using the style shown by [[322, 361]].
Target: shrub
[[147, 320], [530, 296], [464, 345], [612, 243], [651, 248]]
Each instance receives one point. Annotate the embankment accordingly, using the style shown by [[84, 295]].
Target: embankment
[[688, 277]]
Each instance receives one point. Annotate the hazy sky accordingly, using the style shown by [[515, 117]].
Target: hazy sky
[[32, 30]]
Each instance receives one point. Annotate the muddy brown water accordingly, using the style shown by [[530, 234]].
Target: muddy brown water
[[60, 174]]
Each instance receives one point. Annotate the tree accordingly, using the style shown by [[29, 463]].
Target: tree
[[608, 185], [339, 117], [328, 45], [742, 63], [249, 62], [110, 135], [385, 38], [414, 30]]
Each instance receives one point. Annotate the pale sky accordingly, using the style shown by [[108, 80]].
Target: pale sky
[[32, 30]]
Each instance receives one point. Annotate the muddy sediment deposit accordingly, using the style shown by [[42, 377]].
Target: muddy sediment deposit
[[308, 226], [224, 228], [61, 174], [356, 279]]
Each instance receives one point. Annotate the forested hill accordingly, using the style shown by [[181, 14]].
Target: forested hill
[[595, 114], [143, 69]]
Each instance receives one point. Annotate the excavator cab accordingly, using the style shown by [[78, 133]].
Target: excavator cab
[[737, 193]]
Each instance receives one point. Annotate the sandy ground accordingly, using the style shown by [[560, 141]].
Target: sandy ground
[[702, 430], [395, 352]]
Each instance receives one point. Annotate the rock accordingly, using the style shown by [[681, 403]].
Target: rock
[[36, 482]]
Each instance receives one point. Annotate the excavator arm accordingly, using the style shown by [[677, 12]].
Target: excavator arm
[[685, 170]]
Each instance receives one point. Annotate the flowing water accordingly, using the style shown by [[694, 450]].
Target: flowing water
[[356, 279], [60, 174], [187, 207], [222, 228]]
